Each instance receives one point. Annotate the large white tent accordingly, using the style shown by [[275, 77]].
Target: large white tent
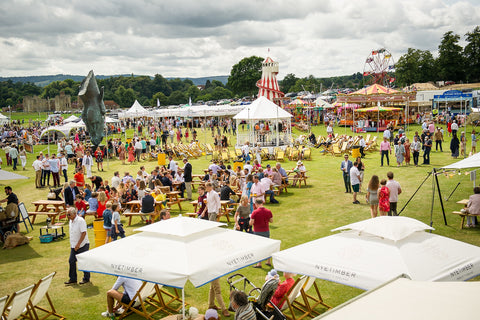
[[135, 111], [402, 299], [3, 119], [263, 109], [467, 163], [72, 118], [174, 251], [380, 249], [64, 129]]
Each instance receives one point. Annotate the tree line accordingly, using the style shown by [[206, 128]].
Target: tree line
[[454, 62]]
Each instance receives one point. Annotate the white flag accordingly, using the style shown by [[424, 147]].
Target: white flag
[[158, 102]]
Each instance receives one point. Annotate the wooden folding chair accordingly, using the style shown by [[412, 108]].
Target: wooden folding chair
[[144, 298], [287, 302], [17, 304], [167, 298], [24, 215], [39, 292], [3, 303], [310, 302]]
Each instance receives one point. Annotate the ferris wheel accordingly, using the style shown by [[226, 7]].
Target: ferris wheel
[[379, 68]]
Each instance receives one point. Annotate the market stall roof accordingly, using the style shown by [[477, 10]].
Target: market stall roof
[[262, 109], [375, 89], [324, 104], [470, 162], [72, 118], [379, 109], [402, 299], [376, 93]]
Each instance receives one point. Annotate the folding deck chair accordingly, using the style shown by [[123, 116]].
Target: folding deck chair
[[39, 292], [310, 302], [3, 303], [287, 303], [24, 215], [144, 298], [17, 303]]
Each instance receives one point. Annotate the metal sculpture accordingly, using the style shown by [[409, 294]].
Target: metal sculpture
[[93, 113]]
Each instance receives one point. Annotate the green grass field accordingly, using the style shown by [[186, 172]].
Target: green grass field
[[303, 214]]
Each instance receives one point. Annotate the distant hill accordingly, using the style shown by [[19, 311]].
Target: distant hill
[[45, 80]]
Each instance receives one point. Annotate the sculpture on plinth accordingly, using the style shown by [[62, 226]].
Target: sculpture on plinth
[[93, 113]]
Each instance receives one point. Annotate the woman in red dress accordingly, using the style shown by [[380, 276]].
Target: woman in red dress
[[407, 151], [383, 198], [131, 153]]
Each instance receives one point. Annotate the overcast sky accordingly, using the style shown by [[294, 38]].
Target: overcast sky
[[195, 38]]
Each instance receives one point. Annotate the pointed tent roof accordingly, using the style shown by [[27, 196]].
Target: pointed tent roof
[[137, 109], [374, 89], [262, 109]]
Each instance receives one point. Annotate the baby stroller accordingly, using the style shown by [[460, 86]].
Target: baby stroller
[[260, 298], [8, 226]]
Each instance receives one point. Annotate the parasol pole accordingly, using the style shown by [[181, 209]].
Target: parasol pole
[[378, 116]]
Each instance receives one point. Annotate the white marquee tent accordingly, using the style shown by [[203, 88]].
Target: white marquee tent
[[263, 109], [467, 163], [173, 251], [135, 111], [3, 119], [402, 299], [377, 250], [72, 118]]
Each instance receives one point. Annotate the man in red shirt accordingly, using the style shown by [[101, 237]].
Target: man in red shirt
[[260, 219]]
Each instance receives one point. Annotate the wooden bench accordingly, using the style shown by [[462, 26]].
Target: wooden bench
[[463, 215], [130, 215], [191, 214], [50, 214]]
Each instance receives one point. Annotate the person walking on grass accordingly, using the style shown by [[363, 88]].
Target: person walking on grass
[[355, 180], [383, 198], [385, 149], [395, 190], [372, 195], [78, 243]]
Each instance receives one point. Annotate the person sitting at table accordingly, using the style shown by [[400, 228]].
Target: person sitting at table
[[70, 194], [215, 183], [130, 193], [93, 204], [148, 204], [202, 196], [299, 170], [160, 196], [81, 205], [102, 204], [268, 170], [473, 207], [87, 192], [167, 180], [268, 184], [179, 179], [207, 176], [226, 191]]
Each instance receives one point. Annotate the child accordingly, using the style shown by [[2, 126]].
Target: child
[[107, 221], [117, 227], [87, 192], [93, 204], [80, 205], [384, 198]]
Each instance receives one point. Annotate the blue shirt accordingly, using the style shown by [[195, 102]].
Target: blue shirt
[[53, 165], [93, 204]]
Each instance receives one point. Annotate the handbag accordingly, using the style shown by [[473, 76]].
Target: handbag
[[51, 195]]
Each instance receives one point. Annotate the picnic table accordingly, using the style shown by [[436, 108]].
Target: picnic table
[[173, 198], [136, 211], [50, 208]]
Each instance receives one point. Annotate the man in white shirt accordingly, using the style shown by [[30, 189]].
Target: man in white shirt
[[213, 203], [138, 149], [387, 134], [130, 287], [395, 190], [116, 180], [246, 151], [257, 190], [214, 167], [248, 167], [355, 180], [172, 166], [362, 146], [37, 166], [454, 127], [64, 166], [78, 243], [267, 184]]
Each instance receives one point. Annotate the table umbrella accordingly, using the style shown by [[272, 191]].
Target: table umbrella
[[376, 250]]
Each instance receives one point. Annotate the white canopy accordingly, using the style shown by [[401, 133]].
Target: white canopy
[[3, 119], [64, 129], [470, 162], [262, 109], [179, 249], [72, 118], [413, 300], [135, 111], [111, 120], [366, 257], [323, 104], [200, 111]]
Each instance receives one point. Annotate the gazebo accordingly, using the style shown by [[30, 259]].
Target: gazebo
[[267, 124]]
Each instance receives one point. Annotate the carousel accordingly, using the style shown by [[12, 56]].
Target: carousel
[[381, 107]]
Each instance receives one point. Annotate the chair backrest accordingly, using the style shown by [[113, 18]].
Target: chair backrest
[[294, 291], [267, 291], [23, 210], [3, 302], [309, 283], [18, 302], [42, 289]]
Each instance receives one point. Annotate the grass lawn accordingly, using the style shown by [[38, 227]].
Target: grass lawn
[[303, 214]]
